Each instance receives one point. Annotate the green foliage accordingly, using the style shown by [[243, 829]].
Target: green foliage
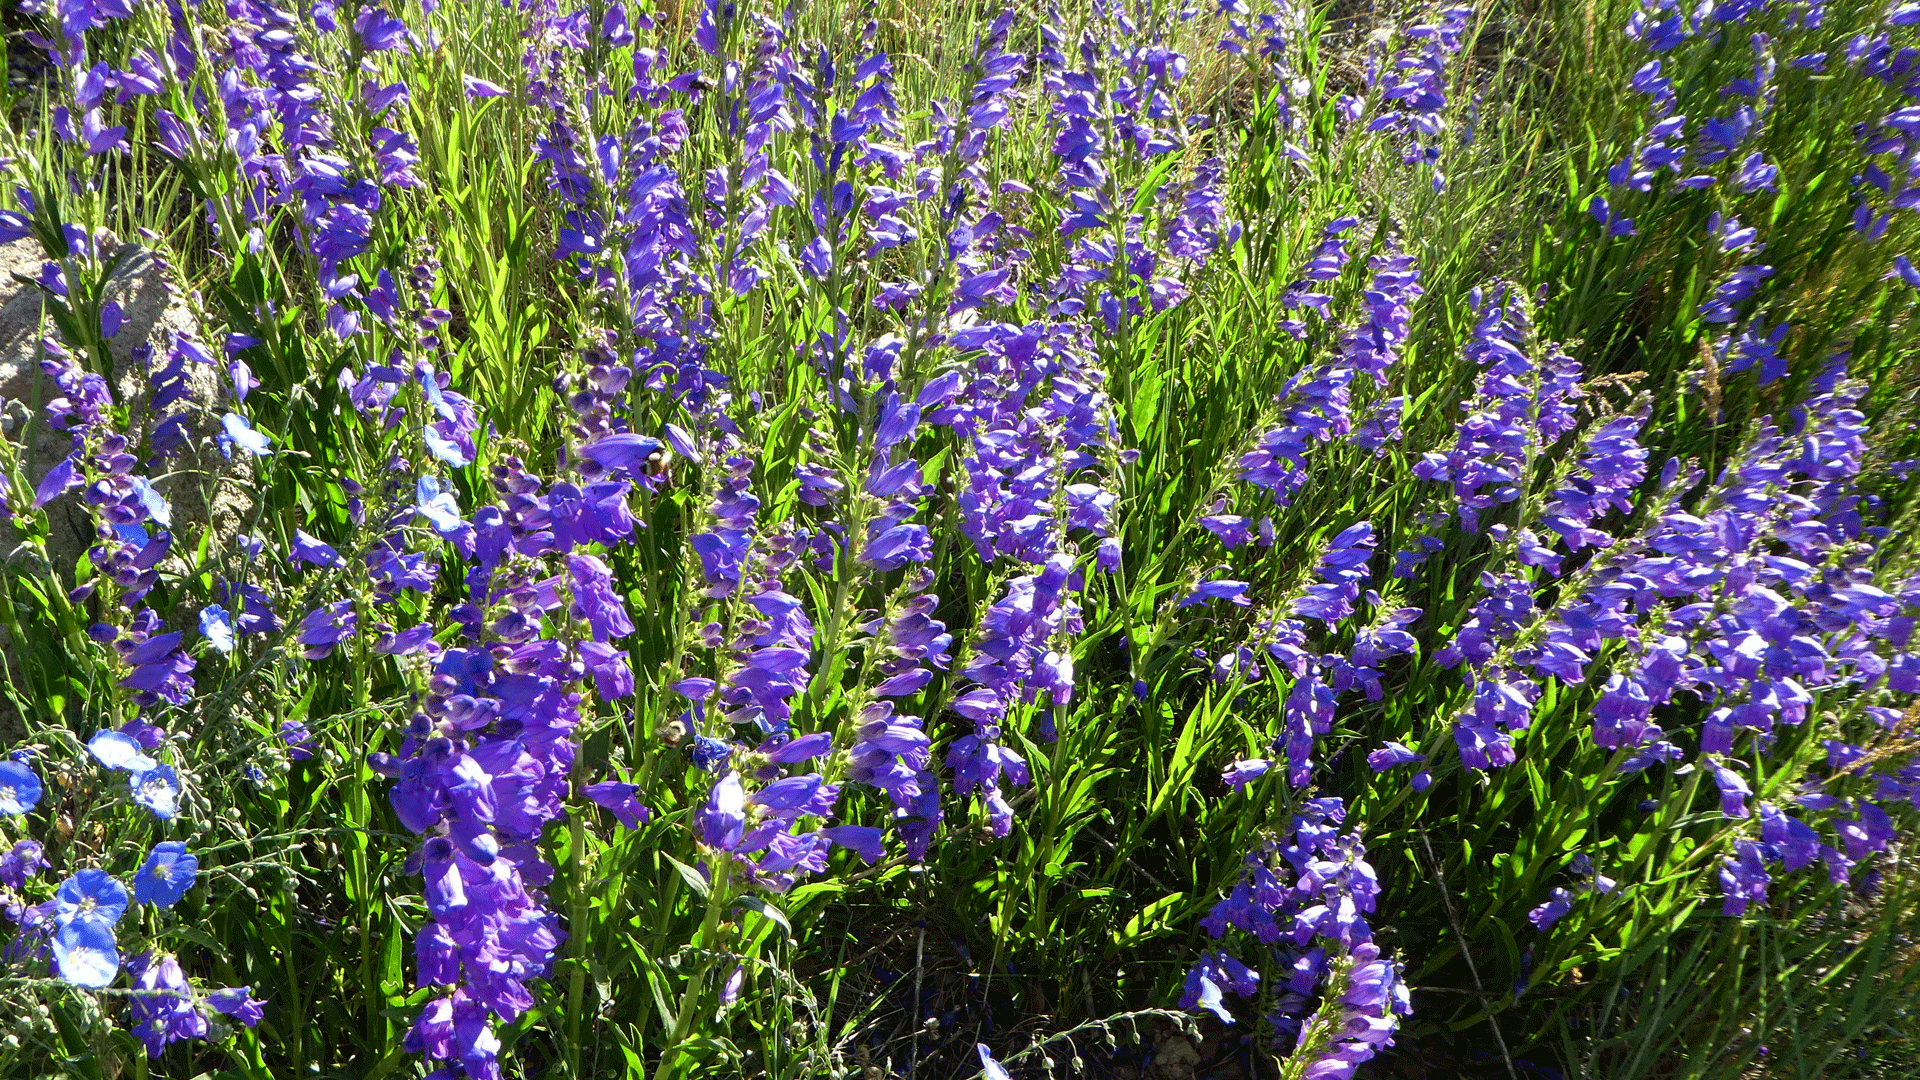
[[1073, 930]]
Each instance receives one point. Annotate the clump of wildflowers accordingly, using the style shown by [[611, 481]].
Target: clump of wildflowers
[[1303, 901]]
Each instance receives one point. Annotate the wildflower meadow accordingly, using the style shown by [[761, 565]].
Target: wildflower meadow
[[980, 538]]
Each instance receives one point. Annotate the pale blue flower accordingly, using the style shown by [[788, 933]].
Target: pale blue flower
[[216, 625], [90, 895], [158, 789], [236, 431], [167, 875], [118, 750], [20, 789], [85, 954]]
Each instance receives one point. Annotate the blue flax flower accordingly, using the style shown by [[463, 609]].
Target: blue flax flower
[[20, 789], [158, 789], [167, 875], [90, 895], [85, 954], [118, 750]]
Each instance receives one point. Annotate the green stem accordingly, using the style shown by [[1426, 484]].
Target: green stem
[[361, 820], [717, 898], [296, 1012], [577, 924]]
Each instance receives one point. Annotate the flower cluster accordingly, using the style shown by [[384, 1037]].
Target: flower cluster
[[1305, 901], [1316, 403], [1413, 90], [1017, 655], [1521, 408], [77, 930]]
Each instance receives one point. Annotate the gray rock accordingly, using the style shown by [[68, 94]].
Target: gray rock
[[19, 319], [203, 488]]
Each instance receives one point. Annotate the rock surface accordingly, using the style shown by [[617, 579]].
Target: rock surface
[[203, 488]]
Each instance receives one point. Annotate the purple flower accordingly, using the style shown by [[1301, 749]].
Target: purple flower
[[217, 627], [238, 1003], [236, 431], [1218, 972], [624, 452], [1231, 591], [1559, 902], [1392, 756], [1739, 286], [325, 627], [1342, 571], [60, 479], [1241, 773], [990, 1068], [862, 840], [437, 506], [1743, 878], [160, 669], [307, 549], [720, 821], [594, 599], [1733, 791], [1796, 842], [804, 748], [162, 1011], [618, 797], [298, 739], [404, 642], [380, 31], [1755, 174], [1305, 898], [1232, 529], [22, 862], [1904, 266], [481, 88], [1871, 831], [612, 677], [897, 546]]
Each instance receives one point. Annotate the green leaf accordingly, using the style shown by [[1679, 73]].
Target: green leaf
[[767, 911], [689, 875]]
